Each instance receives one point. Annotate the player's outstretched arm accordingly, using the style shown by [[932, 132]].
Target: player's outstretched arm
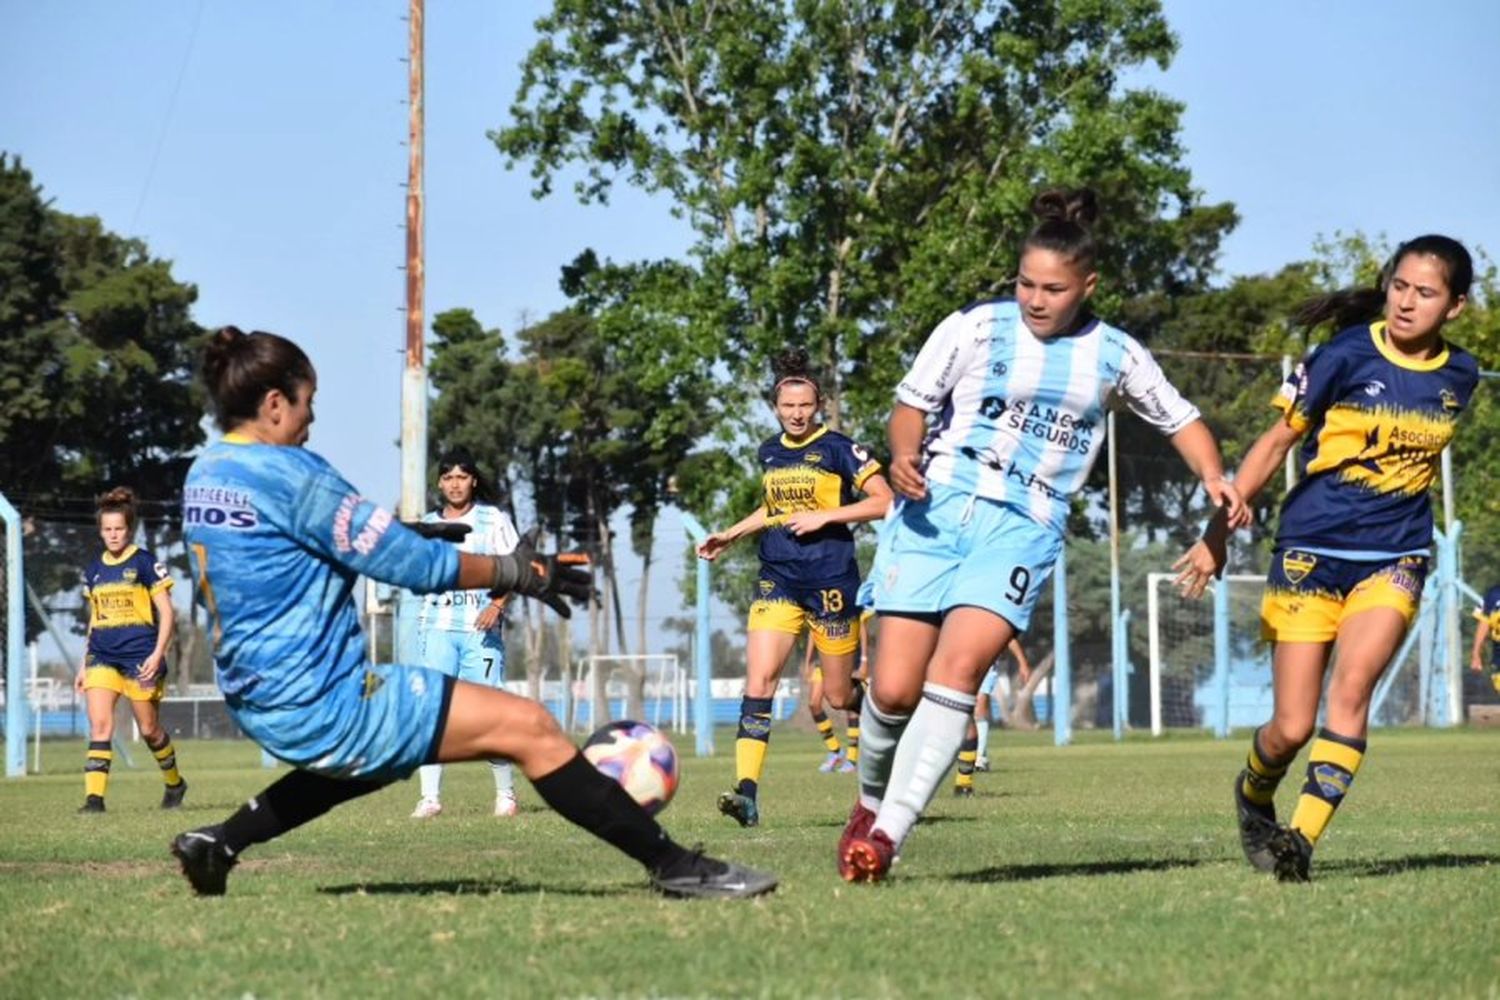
[[714, 544], [552, 579]]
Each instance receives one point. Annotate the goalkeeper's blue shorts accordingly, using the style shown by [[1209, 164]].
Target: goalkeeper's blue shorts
[[379, 722]]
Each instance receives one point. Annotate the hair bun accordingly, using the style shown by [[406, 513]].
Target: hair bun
[[791, 363], [1079, 206]]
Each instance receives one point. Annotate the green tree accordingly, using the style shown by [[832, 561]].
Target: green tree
[[97, 374], [853, 171]]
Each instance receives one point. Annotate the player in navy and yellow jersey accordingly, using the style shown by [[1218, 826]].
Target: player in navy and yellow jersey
[[1377, 404], [130, 626], [1488, 615], [278, 540], [808, 576]]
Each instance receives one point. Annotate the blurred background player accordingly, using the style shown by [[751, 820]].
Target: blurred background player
[[461, 630], [1019, 388], [1378, 403], [278, 540], [812, 676], [974, 751], [130, 627], [1488, 614], [808, 576]]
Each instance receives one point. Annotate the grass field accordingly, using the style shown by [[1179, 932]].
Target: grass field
[[1096, 870]]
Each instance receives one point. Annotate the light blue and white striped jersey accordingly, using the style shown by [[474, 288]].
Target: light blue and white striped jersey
[[278, 538], [491, 533], [1021, 417]]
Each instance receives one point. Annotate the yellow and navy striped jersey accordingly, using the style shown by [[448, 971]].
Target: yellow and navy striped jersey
[[122, 622], [1489, 612], [821, 472], [1377, 423]]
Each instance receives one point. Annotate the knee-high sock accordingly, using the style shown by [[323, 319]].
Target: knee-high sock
[[1331, 765], [96, 764], [927, 750], [1263, 773], [751, 742], [825, 731], [851, 723], [982, 745], [166, 759], [582, 795], [287, 803], [431, 778], [968, 751], [505, 776], [880, 732]]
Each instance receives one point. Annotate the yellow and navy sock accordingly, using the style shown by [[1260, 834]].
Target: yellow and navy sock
[[751, 742], [851, 728], [1331, 765], [825, 730], [96, 768], [1262, 775], [166, 759], [968, 752]]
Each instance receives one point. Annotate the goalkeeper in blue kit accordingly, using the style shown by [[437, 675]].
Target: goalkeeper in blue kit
[[278, 539]]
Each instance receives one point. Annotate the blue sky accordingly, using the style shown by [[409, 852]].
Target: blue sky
[[259, 147]]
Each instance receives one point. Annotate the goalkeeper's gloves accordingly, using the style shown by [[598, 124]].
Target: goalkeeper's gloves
[[549, 578], [448, 531]]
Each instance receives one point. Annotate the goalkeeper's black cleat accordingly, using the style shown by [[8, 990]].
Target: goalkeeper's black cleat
[[1293, 855], [171, 796], [1257, 828], [92, 804], [205, 859], [695, 875]]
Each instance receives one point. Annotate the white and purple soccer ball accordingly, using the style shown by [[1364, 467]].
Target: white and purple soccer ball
[[640, 758]]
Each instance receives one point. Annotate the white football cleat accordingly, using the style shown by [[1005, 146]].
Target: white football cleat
[[427, 809], [505, 804]]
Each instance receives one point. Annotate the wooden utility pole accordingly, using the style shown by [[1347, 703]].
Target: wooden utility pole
[[414, 374]]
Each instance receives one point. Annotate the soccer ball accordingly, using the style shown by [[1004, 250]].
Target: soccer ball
[[640, 758]]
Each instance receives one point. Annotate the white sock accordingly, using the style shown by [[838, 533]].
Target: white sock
[[879, 732], [984, 737], [505, 776], [927, 749], [431, 777]]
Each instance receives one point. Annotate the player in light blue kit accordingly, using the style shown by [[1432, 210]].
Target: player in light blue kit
[[1018, 389], [461, 629], [278, 539]]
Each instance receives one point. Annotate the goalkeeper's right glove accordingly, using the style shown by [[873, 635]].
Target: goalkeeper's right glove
[[547, 578]]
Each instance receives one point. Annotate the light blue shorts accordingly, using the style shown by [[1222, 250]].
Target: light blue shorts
[[991, 678], [476, 657], [380, 722], [954, 549]]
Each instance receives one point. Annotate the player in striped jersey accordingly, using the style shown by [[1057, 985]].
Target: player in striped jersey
[[461, 629], [1378, 403], [1018, 389]]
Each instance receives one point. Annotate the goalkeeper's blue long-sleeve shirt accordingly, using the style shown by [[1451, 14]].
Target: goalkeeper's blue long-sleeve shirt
[[278, 538]]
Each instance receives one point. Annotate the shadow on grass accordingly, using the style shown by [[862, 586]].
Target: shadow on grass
[[925, 821], [1383, 867], [464, 887], [1027, 873]]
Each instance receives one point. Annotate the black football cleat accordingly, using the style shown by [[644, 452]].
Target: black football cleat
[[1257, 828], [171, 796], [695, 875], [963, 791], [1293, 855], [740, 808], [92, 804], [205, 859]]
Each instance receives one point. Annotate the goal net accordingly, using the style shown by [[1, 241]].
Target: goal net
[[1209, 667], [649, 687]]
